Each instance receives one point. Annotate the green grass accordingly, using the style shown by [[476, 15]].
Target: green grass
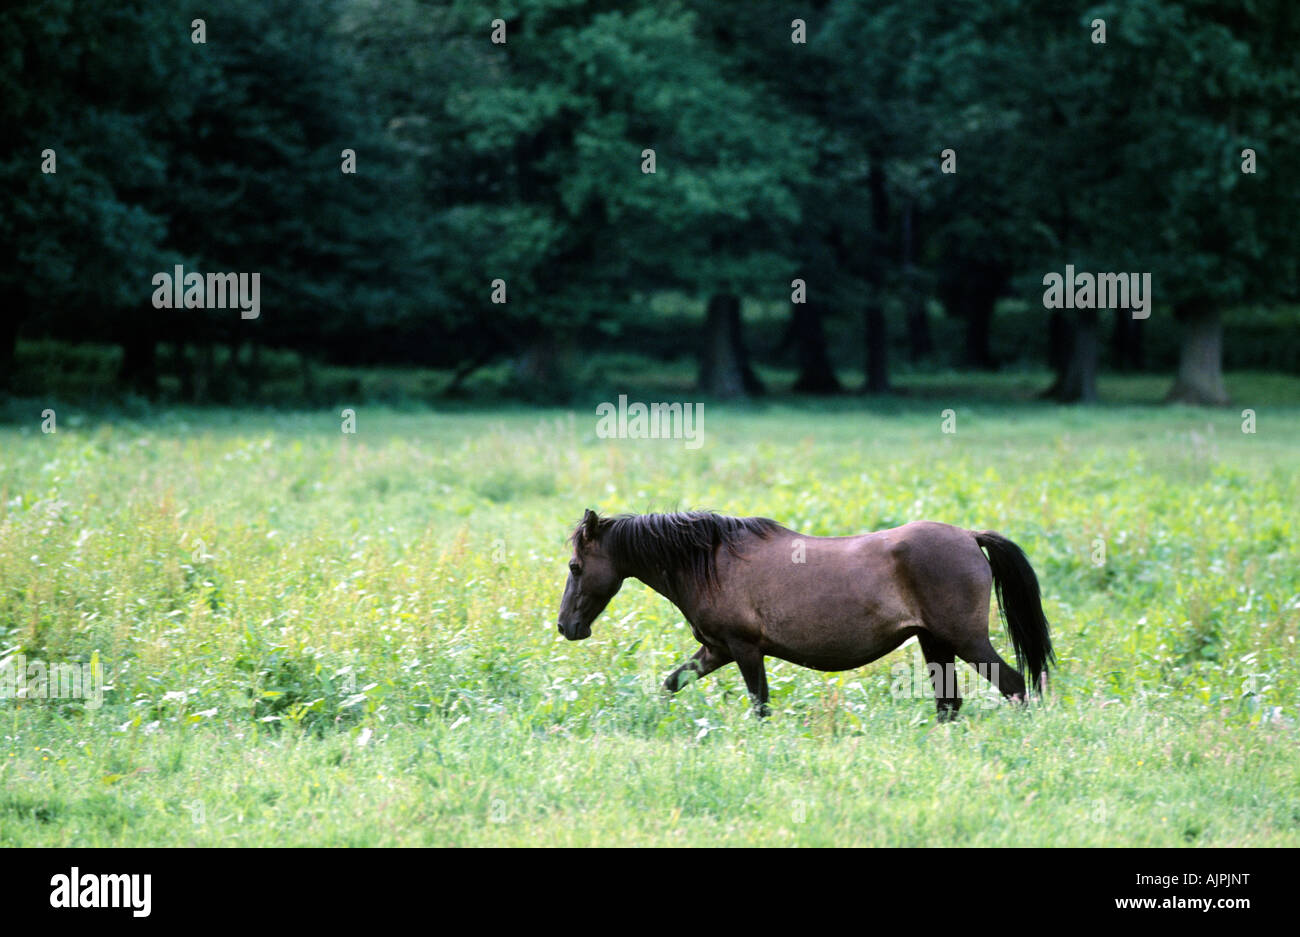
[[315, 638]]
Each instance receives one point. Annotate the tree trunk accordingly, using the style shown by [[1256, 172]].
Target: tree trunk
[[310, 388], [873, 316], [139, 371], [254, 372], [816, 375], [205, 370], [877, 350], [976, 291], [545, 367], [1058, 345], [1126, 341], [8, 347], [1077, 381], [979, 318], [724, 362], [234, 372], [1200, 358], [920, 344], [181, 365]]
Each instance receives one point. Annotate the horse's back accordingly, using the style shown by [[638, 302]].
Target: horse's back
[[938, 556], [839, 602]]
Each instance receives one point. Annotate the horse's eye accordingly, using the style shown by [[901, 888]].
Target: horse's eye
[[575, 569]]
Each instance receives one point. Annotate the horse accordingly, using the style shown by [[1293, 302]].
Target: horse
[[751, 588]]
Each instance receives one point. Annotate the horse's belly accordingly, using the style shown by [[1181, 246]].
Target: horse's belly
[[838, 648], [844, 606], [857, 618]]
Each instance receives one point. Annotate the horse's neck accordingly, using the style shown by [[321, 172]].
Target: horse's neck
[[662, 583]]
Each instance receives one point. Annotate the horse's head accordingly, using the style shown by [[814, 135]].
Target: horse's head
[[593, 581]]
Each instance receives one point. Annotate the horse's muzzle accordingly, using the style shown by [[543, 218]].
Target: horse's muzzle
[[574, 632]]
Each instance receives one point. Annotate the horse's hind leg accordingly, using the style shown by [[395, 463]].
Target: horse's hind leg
[[979, 653], [940, 659], [704, 661]]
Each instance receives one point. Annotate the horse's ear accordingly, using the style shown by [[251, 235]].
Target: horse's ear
[[589, 525]]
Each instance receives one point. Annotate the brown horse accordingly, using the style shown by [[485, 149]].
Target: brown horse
[[750, 588]]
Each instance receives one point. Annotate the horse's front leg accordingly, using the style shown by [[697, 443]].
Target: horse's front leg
[[750, 661], [705, 661]]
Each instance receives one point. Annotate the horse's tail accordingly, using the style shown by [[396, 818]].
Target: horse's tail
[[1021, 605]]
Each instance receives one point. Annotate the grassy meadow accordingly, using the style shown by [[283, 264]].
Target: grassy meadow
[[317, 638]]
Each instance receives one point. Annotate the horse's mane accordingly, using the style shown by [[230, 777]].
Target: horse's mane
[[683, 544]]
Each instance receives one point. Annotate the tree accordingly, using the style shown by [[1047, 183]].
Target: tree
[[1215, 79], [1178, 90], [81, 243], [260, 159], [580, 94]]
